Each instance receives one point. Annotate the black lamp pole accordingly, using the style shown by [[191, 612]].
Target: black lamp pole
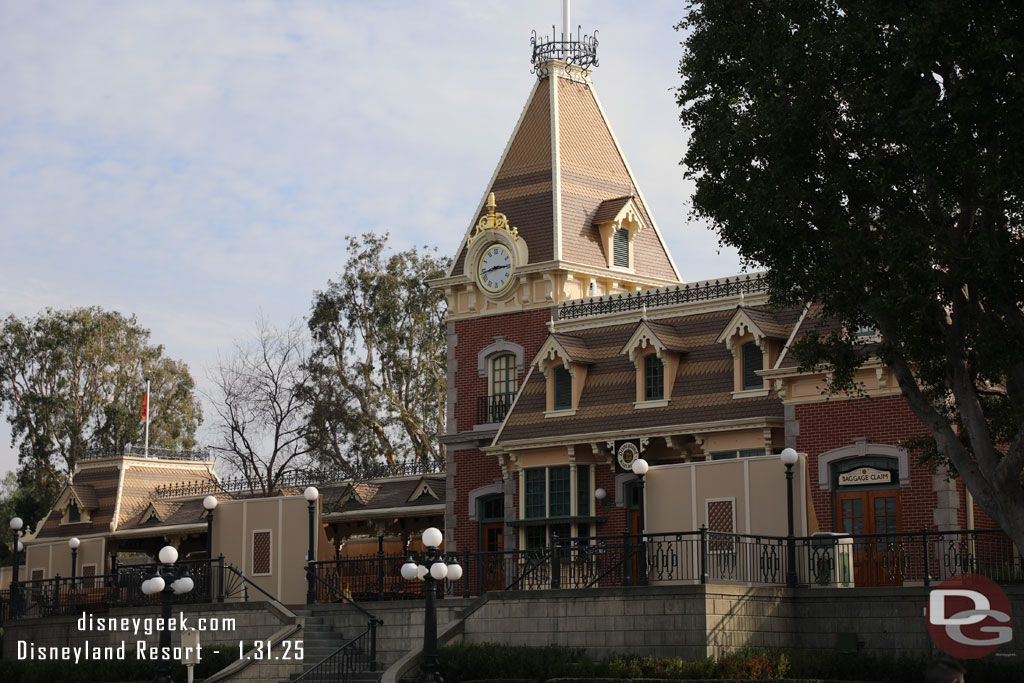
[[639, 468], [169, 573], [430, 669], [311, 494], [16, 524], [789, 458], [73, 543]]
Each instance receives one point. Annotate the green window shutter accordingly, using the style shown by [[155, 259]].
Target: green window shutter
[[583, 490], [752, 362], [654, 378], [559, 503], [563, 388], [536, 491], [620, 248]]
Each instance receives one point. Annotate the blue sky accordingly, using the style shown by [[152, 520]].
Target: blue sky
[[200, 163]]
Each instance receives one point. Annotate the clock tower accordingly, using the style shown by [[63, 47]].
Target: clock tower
[[561, 218]]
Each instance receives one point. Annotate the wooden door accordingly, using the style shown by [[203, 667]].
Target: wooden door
[[493, 565], [877, 561]]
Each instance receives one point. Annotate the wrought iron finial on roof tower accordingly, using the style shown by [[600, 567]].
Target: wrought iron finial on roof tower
[[579, 51]]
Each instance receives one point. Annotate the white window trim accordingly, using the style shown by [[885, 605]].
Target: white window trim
[[656, 403], [751, 393], [270, 544]]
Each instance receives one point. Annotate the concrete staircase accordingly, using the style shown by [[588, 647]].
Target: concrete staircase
[[320, 640]]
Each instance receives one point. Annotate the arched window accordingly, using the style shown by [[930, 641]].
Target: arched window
[[654, 378], [503, 386], [753, 360]]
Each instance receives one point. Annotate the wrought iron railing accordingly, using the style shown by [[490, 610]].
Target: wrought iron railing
[[40, 598], [701, 556], [580, 51], [355, 657], [156, 452], [302, 479], [707, 290], [493, 408]]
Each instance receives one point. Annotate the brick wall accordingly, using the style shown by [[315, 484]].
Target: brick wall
[[474, 469], [885, 420], [526, 328]]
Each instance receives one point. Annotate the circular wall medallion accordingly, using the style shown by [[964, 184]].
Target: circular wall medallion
[[627, 453]]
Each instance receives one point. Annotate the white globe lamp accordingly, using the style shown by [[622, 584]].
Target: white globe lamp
[[432, 537]]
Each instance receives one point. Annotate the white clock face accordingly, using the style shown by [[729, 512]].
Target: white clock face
[[495, 268]]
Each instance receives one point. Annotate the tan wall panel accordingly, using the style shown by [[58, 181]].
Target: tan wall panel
[[543, 457], [668, 499], [732, 441]]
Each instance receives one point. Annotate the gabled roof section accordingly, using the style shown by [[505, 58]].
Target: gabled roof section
[[423, 488], [761, 322], [611, 210], [84, 496], [570, 348], [662, 336], [559, 171], [812, 322]]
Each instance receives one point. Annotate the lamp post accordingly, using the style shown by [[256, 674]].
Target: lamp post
[[73, 543], [311, 494], [640, 468], [168, 581], [789, 458], [209, 504], [16, 525], [433, 570]]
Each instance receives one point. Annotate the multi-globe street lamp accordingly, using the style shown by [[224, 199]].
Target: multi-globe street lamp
[[167, 581], [431, 568], [789, 458]]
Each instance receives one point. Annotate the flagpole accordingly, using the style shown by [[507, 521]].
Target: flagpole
[[146, 453]]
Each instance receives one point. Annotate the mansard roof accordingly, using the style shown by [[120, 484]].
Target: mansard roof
[[562, 171], [702, 391]]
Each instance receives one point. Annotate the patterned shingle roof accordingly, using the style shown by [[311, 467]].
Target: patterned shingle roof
[[701, 392]]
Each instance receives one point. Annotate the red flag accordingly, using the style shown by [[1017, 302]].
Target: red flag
[[145, 405]]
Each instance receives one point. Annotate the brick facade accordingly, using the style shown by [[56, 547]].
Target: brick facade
[[474, 469], [887, 420]]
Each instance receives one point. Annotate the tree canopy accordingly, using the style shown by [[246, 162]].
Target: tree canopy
[[73, 380], [869, 155], [377, 367]]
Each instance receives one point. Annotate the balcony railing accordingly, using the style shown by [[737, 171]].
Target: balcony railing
[[302, 479], [702, 556], [154, 452], [493, 408], [707, 290]]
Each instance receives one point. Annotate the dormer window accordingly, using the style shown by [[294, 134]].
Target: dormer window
[[754, 337], [74, 514], [619, 221], [620, 248], [563, 360], [753, 360], [563, 388], [654, 378], [655, 349]]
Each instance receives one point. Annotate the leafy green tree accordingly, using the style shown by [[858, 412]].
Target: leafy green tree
[[72, 380], [377, 369], [869, 154]]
